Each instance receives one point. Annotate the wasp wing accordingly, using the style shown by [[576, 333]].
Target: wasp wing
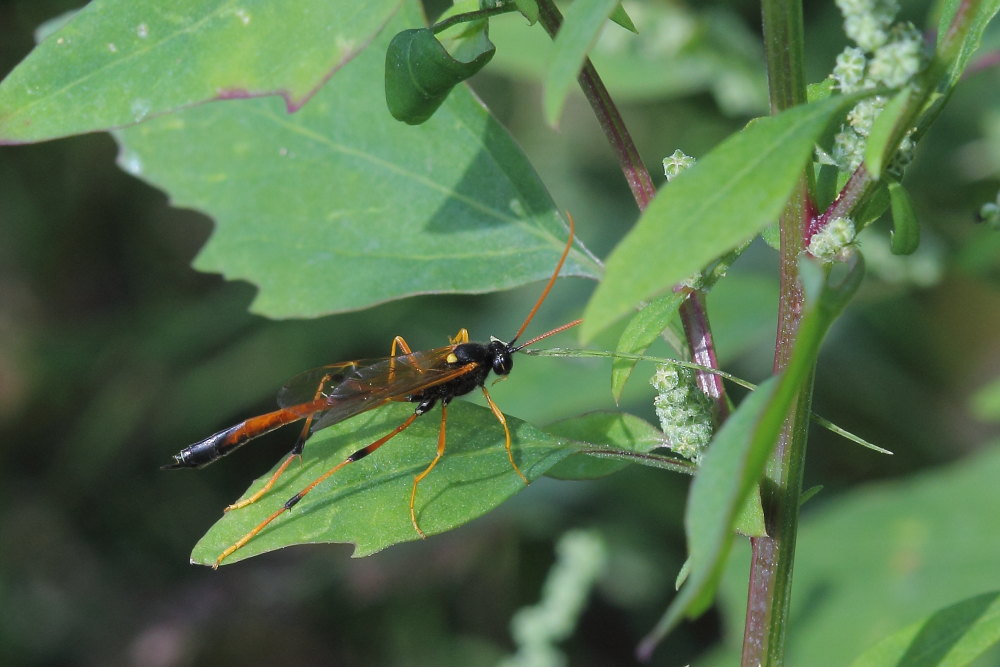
[[353, 387]]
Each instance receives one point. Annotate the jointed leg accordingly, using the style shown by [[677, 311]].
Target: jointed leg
[[417, 479], [397, 342], [296, 453], [356, 456], [506, 433]]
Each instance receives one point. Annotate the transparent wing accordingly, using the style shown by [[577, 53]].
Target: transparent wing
[[352, 387]]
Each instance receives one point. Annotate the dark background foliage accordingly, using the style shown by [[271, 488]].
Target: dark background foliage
[[114, 354]]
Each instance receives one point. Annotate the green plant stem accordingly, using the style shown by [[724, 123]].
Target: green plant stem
[[769, 589], [472, 16], [692, 310]]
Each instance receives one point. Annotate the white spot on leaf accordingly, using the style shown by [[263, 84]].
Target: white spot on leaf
[[140, 109]]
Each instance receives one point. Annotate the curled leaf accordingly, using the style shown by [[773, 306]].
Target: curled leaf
[[420, 73]]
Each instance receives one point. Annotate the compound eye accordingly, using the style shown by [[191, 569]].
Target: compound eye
[[502, 364]]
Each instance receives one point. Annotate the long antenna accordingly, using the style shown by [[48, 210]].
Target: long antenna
[[548, 286], [534, 340]]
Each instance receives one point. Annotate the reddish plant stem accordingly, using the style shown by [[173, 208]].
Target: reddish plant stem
[[692, 311], [636, 174], [699, 336], [847, 200]]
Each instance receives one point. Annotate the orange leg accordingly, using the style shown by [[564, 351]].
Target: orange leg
[[291, 502], [417, 479], [506, 433], [295, 454], [397, 342]]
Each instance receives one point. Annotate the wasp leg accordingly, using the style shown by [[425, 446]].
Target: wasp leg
[[418, 478], [291, 502], [397, 342], [506, 433], [296, 453]]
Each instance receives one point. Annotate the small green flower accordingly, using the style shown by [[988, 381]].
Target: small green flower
[[848, 149], [866, 30], [897, 62], [833, 241], [849, 71], [863, 115], [676, 163], [902, 158]]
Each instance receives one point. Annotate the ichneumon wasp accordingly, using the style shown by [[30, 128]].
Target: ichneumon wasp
[[331, 394]]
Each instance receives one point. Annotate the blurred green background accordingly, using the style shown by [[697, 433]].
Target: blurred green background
[[114, 354]]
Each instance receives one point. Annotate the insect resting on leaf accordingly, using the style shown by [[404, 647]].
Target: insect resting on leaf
[[330, 394]]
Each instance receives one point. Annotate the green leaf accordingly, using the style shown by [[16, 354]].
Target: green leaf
[[959, 35], [644, 328], [723, 200], [118, 62], [951, 637], [420, 73], [873, 209], [609, 430], [905, 228], [576, 37], [717, 495], [915, 545], [339, 207], [621, 17], [886, 132], [749, 521], [737, 456], [367, 503], [528, 9]]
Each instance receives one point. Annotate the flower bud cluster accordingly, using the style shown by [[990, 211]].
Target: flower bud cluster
[[685, 412], [833, 242], [887, 55]]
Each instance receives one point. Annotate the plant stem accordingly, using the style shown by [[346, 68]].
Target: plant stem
[[467, 17], [769, 590], [636, 174], [692, 311]]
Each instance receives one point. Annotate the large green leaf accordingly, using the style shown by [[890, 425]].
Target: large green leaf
[[339, 206], [118, 62], [880, 557], [719, 203], [367, 503]]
